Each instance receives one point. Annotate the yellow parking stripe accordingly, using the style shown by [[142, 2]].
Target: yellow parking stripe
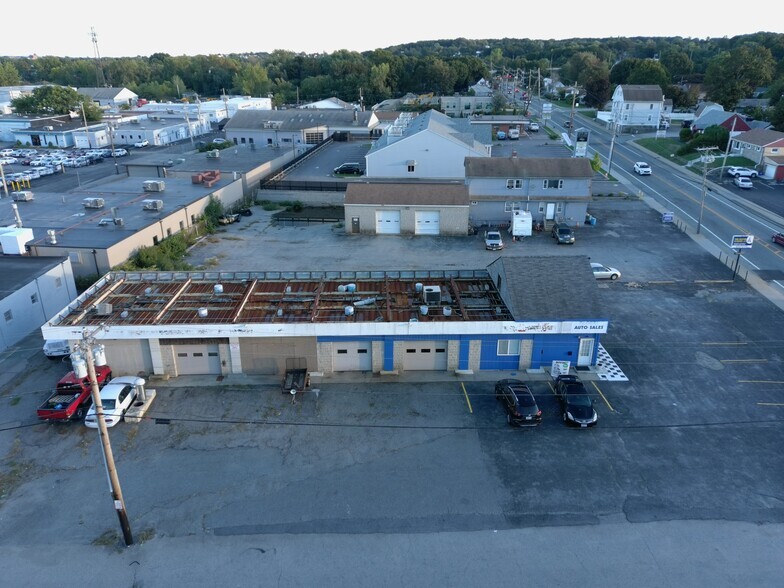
[[471, 410], [603, 397]]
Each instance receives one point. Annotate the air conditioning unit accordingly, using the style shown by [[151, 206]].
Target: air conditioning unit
[[93, 202], [48, 128], [103, 309], [152, 205], [22, 196], [154, 186], [119, 222], [432, 294], [105, 222]]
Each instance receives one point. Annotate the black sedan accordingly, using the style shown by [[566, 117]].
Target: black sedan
[[576, 403], [519, 403]]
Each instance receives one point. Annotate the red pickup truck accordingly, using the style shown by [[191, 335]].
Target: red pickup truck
[[72, 396]]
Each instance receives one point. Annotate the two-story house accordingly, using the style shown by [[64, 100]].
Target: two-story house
[[764, 147], [551, 189], [431, 146], [637, 108]]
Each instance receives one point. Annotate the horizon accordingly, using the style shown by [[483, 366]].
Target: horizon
[[327, 30]]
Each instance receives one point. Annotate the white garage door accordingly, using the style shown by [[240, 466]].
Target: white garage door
[[424, 355], [197, 359], [353, 356], [428, 222], [388, 222]]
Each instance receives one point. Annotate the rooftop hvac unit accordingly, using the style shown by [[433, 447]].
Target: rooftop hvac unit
[[105, 222], [152, 205], [432, 294], [93, 202], [51, 237], [103, 309], [119, 222], [154, 186], [48, 128], [22, 196]]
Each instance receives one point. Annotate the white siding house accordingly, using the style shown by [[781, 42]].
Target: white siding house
[[432, 146], [637, 107]]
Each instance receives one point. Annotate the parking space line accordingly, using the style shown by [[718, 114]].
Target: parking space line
[[725, 343], [743, 360], [603, 397], [468, 402], [770, 404], [760, 382]]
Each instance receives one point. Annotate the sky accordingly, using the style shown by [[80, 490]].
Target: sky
[[308, 26]]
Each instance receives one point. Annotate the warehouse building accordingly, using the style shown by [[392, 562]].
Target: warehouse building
[[518, 313]]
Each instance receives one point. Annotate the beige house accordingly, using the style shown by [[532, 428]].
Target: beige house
[[407, 208]]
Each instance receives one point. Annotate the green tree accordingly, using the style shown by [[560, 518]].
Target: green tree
[[252, 80], [777, 116], [733, 75], [56, 100], [677, 62], [648, 71], [9, 75], [621, 71]]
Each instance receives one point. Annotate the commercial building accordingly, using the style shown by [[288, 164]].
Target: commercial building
[[518, 313]]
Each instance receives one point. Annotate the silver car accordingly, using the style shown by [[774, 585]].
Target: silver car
[[603, 272]]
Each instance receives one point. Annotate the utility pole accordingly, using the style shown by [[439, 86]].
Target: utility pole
[[86, 130], [103, 433], [729, 142], [612, 147], [706, 157], [571, 113]]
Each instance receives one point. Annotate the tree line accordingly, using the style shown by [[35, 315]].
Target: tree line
[[726, 69]]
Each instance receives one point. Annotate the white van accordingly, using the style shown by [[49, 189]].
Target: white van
[[56, 348], [514, 134]]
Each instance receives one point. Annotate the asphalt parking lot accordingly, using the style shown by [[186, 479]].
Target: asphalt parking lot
[[694, 436]]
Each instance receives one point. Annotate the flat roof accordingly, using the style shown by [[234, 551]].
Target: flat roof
[[210, 298], [77, 226], [20, 270]]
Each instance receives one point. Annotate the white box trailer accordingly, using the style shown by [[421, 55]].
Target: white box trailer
[[522, 224], [22, 196]]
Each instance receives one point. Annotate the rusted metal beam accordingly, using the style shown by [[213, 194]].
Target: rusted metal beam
[[173, 299], [248, 292], [458, 298], [314, 309]]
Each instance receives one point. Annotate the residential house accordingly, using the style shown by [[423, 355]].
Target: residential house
[[765, 148], [32, 291], [551, 189], [328, 103], [110, 97], [429, 146], [416, 208], [733, 122], [637, 107]]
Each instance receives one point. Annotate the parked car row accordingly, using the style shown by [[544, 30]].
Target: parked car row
[[522, 409]]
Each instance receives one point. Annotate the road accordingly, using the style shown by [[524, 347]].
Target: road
[[724, 212]]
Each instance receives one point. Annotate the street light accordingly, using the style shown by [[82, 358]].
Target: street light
[[705, 159]]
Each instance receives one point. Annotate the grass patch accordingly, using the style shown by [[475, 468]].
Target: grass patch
[[145, 535], [14, 471], [232, 238], [269, 205], [109, 539]]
